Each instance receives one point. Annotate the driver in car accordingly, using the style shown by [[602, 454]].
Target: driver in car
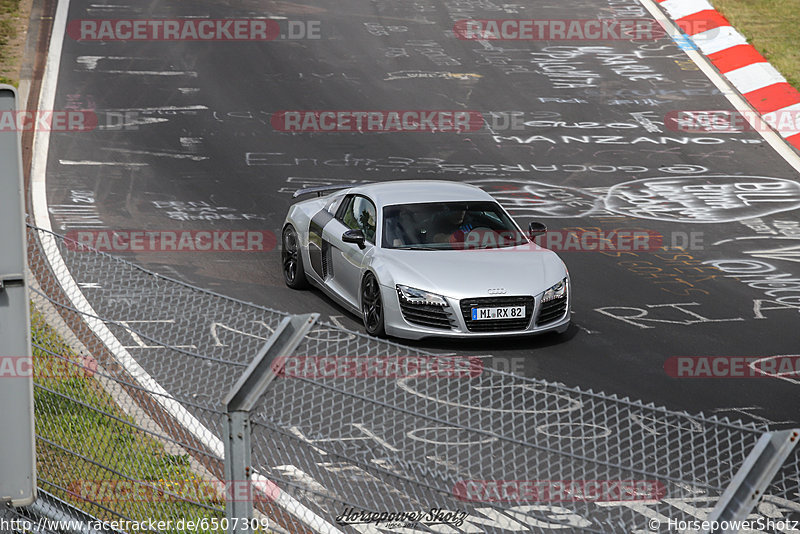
[[453, 226]]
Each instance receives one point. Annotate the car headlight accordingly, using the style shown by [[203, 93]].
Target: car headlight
[[412, 295], [556, 292]]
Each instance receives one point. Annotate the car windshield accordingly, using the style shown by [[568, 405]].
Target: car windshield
[[449, 226]]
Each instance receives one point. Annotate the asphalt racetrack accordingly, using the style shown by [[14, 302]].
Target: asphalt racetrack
[[186, 141]]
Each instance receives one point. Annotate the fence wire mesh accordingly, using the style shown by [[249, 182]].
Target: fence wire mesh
[[131, 368]]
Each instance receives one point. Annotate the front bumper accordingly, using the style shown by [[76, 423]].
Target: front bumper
[[452, 321]]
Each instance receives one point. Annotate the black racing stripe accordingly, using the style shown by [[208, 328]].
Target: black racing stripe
[[322, 218], [316, 246]]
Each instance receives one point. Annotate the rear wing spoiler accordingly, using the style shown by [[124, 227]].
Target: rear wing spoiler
[[321, 190]]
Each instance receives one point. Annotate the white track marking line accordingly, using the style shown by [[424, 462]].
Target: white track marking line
[[197, 107], [97, 163], [189, 73], [173, 155]]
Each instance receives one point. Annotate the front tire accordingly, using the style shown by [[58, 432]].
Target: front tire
[[292, 260], [372, 306]]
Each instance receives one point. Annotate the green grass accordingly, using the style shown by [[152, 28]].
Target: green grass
[[773, 27], [69, 419], [9, 6], [9, 19]]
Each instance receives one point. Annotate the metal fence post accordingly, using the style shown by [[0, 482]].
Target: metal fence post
[[237, 470], [18, 460], [238, 403], [753, 478]]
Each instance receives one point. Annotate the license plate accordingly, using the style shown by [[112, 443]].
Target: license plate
[[506, 312]]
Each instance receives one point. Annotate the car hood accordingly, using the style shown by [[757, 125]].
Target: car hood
[[522, 270]]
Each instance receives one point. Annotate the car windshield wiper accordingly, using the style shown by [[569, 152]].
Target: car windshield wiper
[[498, 246], [416, 247]]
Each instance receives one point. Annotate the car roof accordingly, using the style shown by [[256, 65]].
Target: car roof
[[419, 191]]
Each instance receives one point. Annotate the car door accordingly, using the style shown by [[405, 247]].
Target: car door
[[356, 212]]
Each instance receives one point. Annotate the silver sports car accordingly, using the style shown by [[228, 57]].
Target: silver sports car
[[425, 259]]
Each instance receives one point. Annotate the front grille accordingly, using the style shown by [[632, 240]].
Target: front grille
[[426, 315], [552, 310], [497, 325]]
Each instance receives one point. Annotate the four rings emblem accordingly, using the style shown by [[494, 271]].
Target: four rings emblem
[[497, 291]]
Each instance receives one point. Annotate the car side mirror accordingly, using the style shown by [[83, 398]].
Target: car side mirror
[[535, 229], [354, 236]]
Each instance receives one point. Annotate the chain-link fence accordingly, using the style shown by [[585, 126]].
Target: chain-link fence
[[131, 369]]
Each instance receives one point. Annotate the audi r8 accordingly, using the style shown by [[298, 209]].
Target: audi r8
[[420, 259]]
